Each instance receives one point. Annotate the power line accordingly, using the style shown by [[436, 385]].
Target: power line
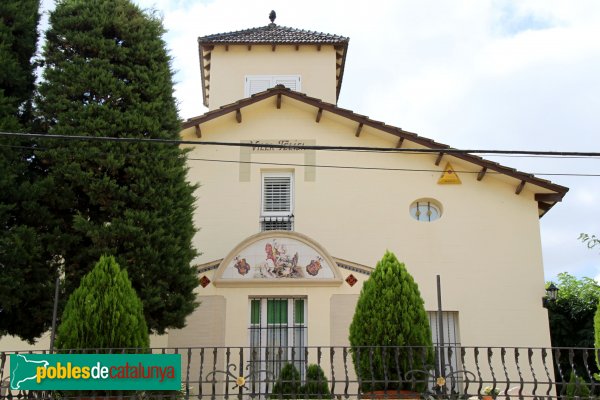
[[497, 153], [448, 151], [373, 168], [341, 166]]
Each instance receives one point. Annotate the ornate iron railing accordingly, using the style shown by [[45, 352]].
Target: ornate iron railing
[[446, 372]]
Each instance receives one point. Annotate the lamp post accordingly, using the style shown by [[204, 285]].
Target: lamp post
[[552, 291], [551, 294], [53, 334]]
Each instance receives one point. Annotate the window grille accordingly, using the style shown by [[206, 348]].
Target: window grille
[[277, 334], [277, 202], [424, 211], [277, 223], [451, 349]]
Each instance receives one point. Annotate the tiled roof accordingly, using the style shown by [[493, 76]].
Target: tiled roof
[[273, 34]]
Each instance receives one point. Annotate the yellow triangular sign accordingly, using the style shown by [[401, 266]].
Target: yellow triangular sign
[[449, 176]]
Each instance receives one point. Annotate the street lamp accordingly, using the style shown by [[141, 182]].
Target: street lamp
[[551, 293]]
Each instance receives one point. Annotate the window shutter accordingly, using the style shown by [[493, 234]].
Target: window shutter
[[450, 327], [290, 82], [260, 83], [256, 84], [277, 194], [277, 202]]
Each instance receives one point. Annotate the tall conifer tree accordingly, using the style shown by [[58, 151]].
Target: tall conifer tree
[[18, 41], [27, 271], [389, 319], [108, 74]]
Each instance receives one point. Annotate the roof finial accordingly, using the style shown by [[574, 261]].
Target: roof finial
[[272, 16]]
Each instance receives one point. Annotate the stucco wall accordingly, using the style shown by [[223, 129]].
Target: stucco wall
[[486, 246], [229, 68]]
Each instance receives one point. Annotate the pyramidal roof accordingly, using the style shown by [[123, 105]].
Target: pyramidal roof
[[273, 34]]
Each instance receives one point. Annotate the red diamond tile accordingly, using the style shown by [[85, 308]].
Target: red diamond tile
[[204, 281], [351, 280]]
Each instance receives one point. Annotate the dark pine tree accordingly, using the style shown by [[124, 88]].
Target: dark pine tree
[[27, 270], [108, 74]]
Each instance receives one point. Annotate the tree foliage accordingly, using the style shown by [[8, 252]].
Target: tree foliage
[[597, 336], [103, 312], [18, 40], [27, 268], [577, 388], [108, 75], [572, 314], [590, 241], [390, 314], [571, 318]]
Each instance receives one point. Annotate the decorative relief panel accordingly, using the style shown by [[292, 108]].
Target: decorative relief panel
[[278, 256]]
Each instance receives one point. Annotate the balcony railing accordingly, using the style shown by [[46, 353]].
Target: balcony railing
[[451, 372]]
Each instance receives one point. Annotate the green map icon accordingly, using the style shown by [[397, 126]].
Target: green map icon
[[23, 367]]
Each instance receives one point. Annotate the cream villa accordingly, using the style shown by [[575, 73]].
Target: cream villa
[[290, 228], [290, 232], [297, 227]]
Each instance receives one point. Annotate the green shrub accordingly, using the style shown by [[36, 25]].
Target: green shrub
[[103, 312], [390, 333], [287, 385], [317, 386], [577, 388], [597, 332]]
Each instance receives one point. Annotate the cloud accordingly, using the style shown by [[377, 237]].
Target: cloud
[[494, 74]]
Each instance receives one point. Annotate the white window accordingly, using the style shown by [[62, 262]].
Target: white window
[[277, 334], [260, 83], [425, 210], [277, 206], [447, 332]]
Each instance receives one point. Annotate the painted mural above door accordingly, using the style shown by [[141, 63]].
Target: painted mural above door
[[278, 257]]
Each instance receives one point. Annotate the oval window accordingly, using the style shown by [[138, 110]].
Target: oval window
[[425, 210]]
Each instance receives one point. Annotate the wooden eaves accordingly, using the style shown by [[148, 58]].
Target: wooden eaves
[[545, 200]]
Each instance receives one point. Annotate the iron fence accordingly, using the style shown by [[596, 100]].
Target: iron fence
[[450, 371]]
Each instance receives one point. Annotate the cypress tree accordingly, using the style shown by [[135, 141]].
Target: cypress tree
[[389, 318], [108, 74], [597, 338], [18, 40], [103, 312], [27, 269]]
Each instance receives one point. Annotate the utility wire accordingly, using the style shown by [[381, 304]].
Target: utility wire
[[449, 151], [338, 166], [374, 168], [494, 153]]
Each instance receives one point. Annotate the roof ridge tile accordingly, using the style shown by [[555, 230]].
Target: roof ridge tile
[[273, 33]]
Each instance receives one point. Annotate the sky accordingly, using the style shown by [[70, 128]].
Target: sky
[[478, 74]]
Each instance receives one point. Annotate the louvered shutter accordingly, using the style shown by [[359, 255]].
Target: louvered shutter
[[290, 82], [277, 202], [277, 194], [257, 84], [260, 83]]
